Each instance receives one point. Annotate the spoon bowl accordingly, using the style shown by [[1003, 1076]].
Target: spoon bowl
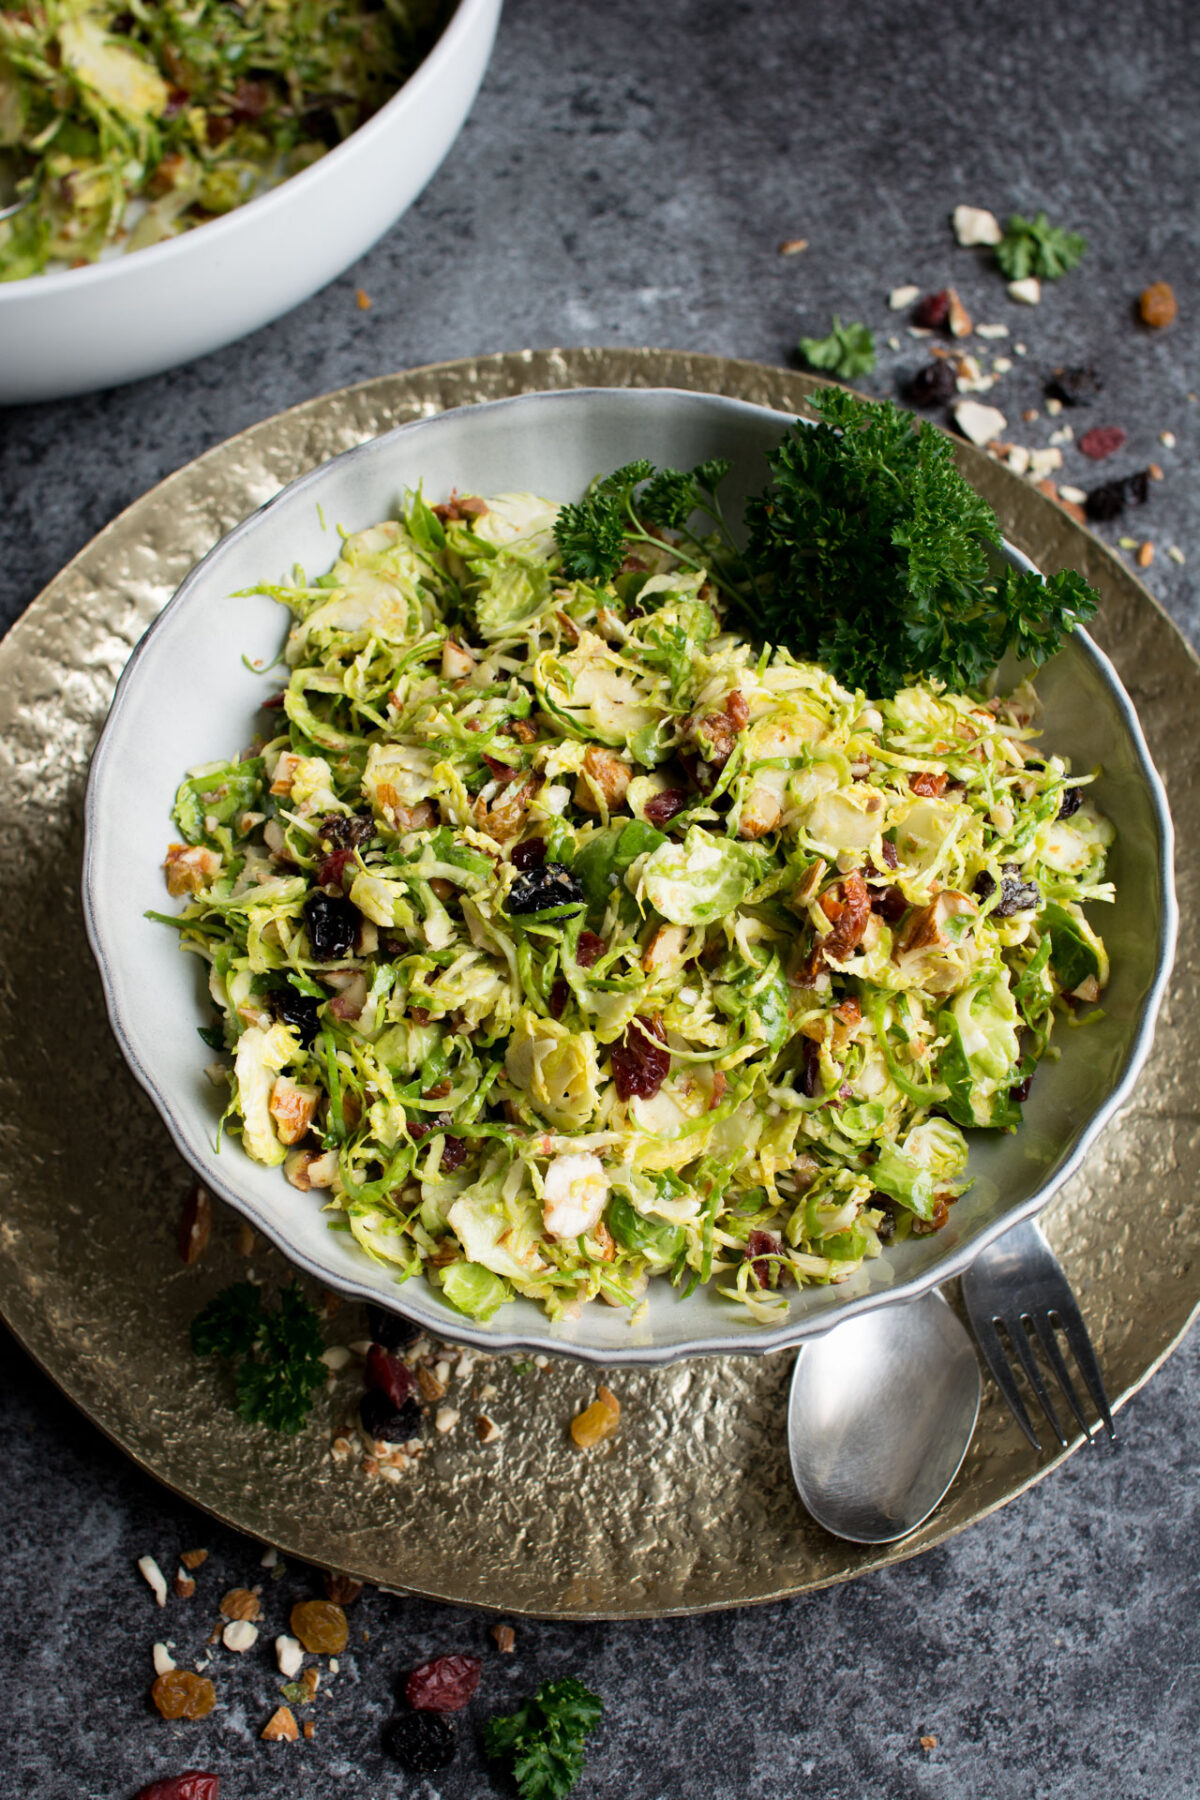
[[880, 1415]]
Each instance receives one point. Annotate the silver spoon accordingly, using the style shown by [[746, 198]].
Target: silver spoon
[[880, 1415]]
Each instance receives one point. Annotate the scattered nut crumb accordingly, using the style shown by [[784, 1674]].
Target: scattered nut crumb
[[1154, 472], [195, 1224], [363, 299], [431, 1388], [269, 1558], [1028, 292], [929, 1743], [1019, 350], [958, 318], [240, 1635], [506, 1639], [245, 1240], [336, 1357], [486, 1429], [1176, 554], [154, 1575], [975, 225], [1158, 305], [1126, 543], [1002, 365], [163, 1660], [184, 1586], [192, 1559], [1030, 414], [541, 1361], [1075, 495], [343, 1590], [339, 1450], [1145, 555], [1042, 462], [1167, 439], [991, 331], [334, 1666], [901, 297], [310, 1681], [281, 1727], [1053, 407], [310, 1730], [793, 246], [289, 1655], [240, 1603], [977, 422], [446, 1419]]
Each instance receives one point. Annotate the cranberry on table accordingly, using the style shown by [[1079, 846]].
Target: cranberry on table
[[423, 1742], [444, 1684], [933, 385], [193, 1784], [386, 1423], [389, 1376]]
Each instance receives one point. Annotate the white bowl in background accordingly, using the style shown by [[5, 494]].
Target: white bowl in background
[[187, 697], [136, 314]]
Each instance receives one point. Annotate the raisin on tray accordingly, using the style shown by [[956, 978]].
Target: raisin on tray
[[391, 1330], [386, 1423], [536, 890], [1074, 386], [297, 1010], [444, 1684], [933, 385], [332, 926], [423, 1742], [320, 1626], [933, 310]]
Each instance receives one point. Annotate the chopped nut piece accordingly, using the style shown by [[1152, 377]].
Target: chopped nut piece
[[195, 1224], [975, 225], [281, 1727], [1154, 472], [240, 1635], [1028, 291], [1176, 554], [184, 1586], [793, 246], [603, 780], [240, 1603], [929, 1743], [991, 331], [431, 1388], [1167, 439], [163, 1660], [977, 422], [154, 1575], [363, 299], [958, 318], [904, 296], [310, 1730], [310, 1681], [1145, 555], [1041, 462], [190, 867], [597, 1421], [446, 1418], [1030, 414], [289, 1655], [1075, 495], [341, 1589], [506, 1639], [192, 1559], [486, 1429], [1158, 305]]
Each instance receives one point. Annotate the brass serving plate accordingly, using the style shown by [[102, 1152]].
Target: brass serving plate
[[691, 1506]]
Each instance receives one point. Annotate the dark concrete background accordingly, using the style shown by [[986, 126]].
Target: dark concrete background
[[626, 177]]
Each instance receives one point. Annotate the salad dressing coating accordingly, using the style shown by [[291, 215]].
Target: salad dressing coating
[[562, 938]]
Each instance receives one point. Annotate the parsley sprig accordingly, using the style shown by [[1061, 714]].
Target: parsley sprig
[[275, 1353], [847, 352], [542, 1742], [622, 508], [1035, 247]]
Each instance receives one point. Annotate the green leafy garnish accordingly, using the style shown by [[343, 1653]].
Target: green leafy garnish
[[849, 350], [1035, 247], [872, 554], [542, 1742], [592, 536], [275, 1353]]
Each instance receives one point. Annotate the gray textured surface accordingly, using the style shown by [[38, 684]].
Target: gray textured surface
[[627, 179]]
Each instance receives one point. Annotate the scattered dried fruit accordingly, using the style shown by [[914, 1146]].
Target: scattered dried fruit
[[1074, 386], [321, 1627], [1145, 555], [195, 1225], [1110, 499], [193, 1784], [933, 385], [1158, 305], [1101, 441], [423, 1742], [363, 299], [444, 1684], [281, 1727], [388, 1424], [597, 1421], [641, 1061], [240, 1603], [343, 1590], [180, 1694], [958, 318], [932, 312], [390, 1375]]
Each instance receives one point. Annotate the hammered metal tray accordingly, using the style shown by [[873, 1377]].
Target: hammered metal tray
[[691, 1506]]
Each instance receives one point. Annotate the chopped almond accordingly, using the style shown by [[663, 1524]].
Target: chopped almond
[[293, 1107], [192, 1559], [241, 1603], [281, 1727], [603, 781]]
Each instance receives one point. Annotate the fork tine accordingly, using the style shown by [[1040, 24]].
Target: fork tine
[[1071, 1320], [996, 1357], [1020, 1341], [1049, 1342]]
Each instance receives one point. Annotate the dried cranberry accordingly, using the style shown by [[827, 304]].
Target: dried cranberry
[[529, 855], [501, 771], [332, 871], [589, 949], [391, 1330], [1071, 802], [423, 1742], [1074, 386], [759, 1246], [560, 993], [297, 1010], [191, 1785], [387, 1423], [641, 1061], [810, 1078], [443, 1685], [890, 904], [332, 926], [454, 1154], [660, 808], [932, 312], [389, 1375], [933, 385], [1101, 441], [346, 831], [1020, 1093], [891, 855], [536, 890]]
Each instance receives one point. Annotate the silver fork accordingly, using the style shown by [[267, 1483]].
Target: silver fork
[[1018, 1283]]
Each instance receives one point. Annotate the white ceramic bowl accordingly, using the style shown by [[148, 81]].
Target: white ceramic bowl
[[187, 697], [137, 314]]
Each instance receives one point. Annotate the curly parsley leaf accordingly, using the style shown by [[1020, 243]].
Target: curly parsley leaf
[[542, 1741], [1035, 247], [873, 555], [592, 535], [591, 538], [848, 351], [275, 1353]]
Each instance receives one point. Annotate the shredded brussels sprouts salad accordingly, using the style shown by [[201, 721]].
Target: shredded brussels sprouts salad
[[125, 123], [561, 937]]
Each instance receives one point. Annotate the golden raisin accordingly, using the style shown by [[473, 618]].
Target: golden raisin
[[181, 1695], [240, 1603], [1158, 305], [597, 1421], [320, 1626]]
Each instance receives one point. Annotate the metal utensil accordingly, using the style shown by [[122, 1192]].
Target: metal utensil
[[1018, 1283], [880, 1415]]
